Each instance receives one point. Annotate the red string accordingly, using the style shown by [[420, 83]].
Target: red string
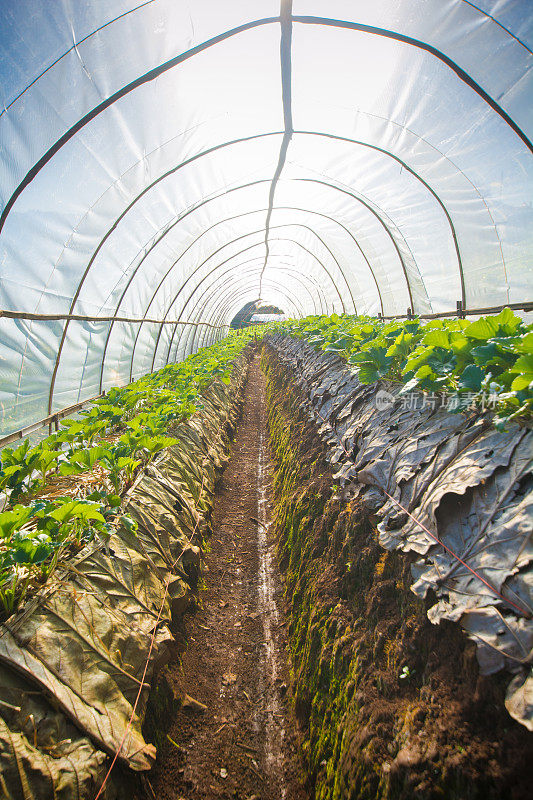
[[433, 536], [459, 559], [152, 641]]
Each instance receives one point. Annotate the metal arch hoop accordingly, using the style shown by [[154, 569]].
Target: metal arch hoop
[[282, 289], [188, 346], [315, 133], [278, 208], [226, 244], [325, 183], [257, 244], [207, 152], [261, 136], [152, 74], [149, 2], [173, 62], [231, 291], [202, 281], [428, 48], [196, 344], [298, 275], [70, 49], [319, 288], [285, 225], [218, 314], [428, 187], [219, 222]]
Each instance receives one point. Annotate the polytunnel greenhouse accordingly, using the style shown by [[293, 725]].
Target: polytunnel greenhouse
[[266, 400]]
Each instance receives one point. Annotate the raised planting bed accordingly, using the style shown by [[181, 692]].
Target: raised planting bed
[[79, 657], [460, 364], [64, 492], [412, 670]]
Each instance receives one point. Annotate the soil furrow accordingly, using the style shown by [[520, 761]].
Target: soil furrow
[[243, 744]]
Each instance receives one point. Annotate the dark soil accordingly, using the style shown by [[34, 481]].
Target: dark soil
[[233, 657], [390, 706], [387, 706]]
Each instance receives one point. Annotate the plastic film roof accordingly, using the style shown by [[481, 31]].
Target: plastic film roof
[[165, 162]]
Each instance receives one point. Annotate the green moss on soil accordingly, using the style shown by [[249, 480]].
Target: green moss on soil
[[368, 734]]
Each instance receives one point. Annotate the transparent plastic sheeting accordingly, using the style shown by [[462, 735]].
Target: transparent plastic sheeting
[[173, 160]]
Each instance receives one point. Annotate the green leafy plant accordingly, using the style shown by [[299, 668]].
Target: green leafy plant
[[83, 460], [154, 444], [45, 463], [32, 538], [35, 536], [85, 431], [110, 412], [11, 521], [490, 358], [17, 469], [121, 468]]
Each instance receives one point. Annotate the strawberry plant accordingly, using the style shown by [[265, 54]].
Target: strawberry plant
[[489, 357], [82, 460], [121, 467], [17, 468], [45, 463], [33, 537], [85, 431]]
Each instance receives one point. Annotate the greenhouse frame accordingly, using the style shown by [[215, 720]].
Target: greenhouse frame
[[353, 179]]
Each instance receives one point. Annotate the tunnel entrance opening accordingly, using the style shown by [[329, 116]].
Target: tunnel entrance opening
[[257, 311]]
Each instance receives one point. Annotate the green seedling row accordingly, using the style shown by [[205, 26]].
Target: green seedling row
[[487, 362], [115, 438]]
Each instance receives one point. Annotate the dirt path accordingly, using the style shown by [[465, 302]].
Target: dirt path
[[243, 745]]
